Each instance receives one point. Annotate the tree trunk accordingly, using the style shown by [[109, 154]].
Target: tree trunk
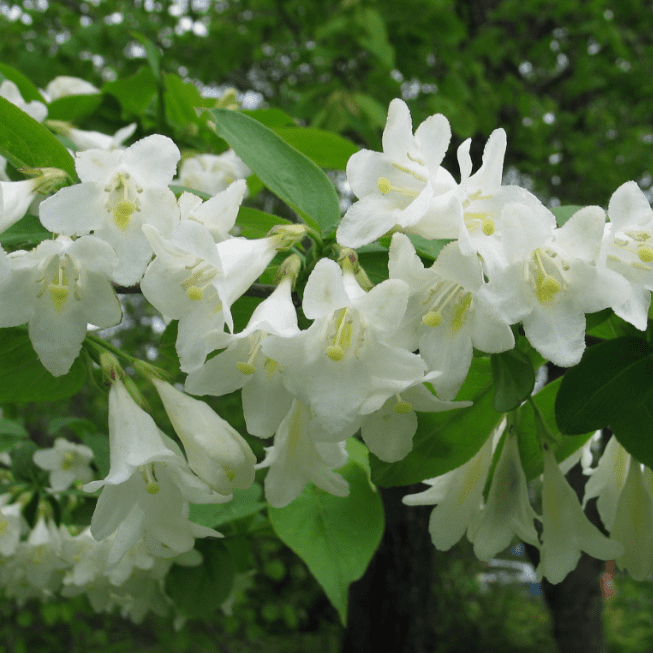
[[392, 607]]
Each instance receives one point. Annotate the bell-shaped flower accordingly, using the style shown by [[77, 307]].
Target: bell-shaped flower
[[216, 452], [121, 191], [67, 462], [567, 531], [396, 188], [295, 460], [446, 317], [459, 498], [149, 485], [212, 173], [58, 288], [633, 524], [196, 281], [628, 249], [552, 280], [345, 360], [242, 365], [217, 214], [508, 511], [607, 480]]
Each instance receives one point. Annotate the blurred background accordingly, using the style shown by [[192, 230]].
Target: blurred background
[[571, 85]]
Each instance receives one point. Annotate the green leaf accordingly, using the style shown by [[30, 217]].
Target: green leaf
[[326, 149], [181, 100], [244, 504], [613, 379], [27, 231], [336, 537], [563, 213], [73, 108], [199, 591], [444, 441], [133, 93], [27, 89], [256, 224], [530, 449], [289, 174], [23, 377], [26, 143], [514, 379]]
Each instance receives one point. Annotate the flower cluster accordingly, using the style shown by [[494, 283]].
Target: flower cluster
[[370, 359]]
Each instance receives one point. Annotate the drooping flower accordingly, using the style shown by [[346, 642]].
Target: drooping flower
[[567, 531], [148, 488], [459, 498], [633, 524], [216, 452], [121, 191], [508, 511]]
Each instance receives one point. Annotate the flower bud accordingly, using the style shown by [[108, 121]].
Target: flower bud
[[216, 452]]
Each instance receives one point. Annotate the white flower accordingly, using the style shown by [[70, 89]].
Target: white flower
[[446, 317], [11, 525], [148, 488], [65, 85], [90, 140], [67, 462], [34, 109], [120, 192], [219, 213], [607, 481], [508, 511], [552, 280], [242, 365], [396, 188], [216, 452], [211, 173], [295, 460], [567, 531], [633, 524], [459, 498], [58, 288], [344, 364], [628, 249], [196, 281]]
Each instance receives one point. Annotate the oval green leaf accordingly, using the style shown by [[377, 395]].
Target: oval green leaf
[[336, 537], [289, 174]]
